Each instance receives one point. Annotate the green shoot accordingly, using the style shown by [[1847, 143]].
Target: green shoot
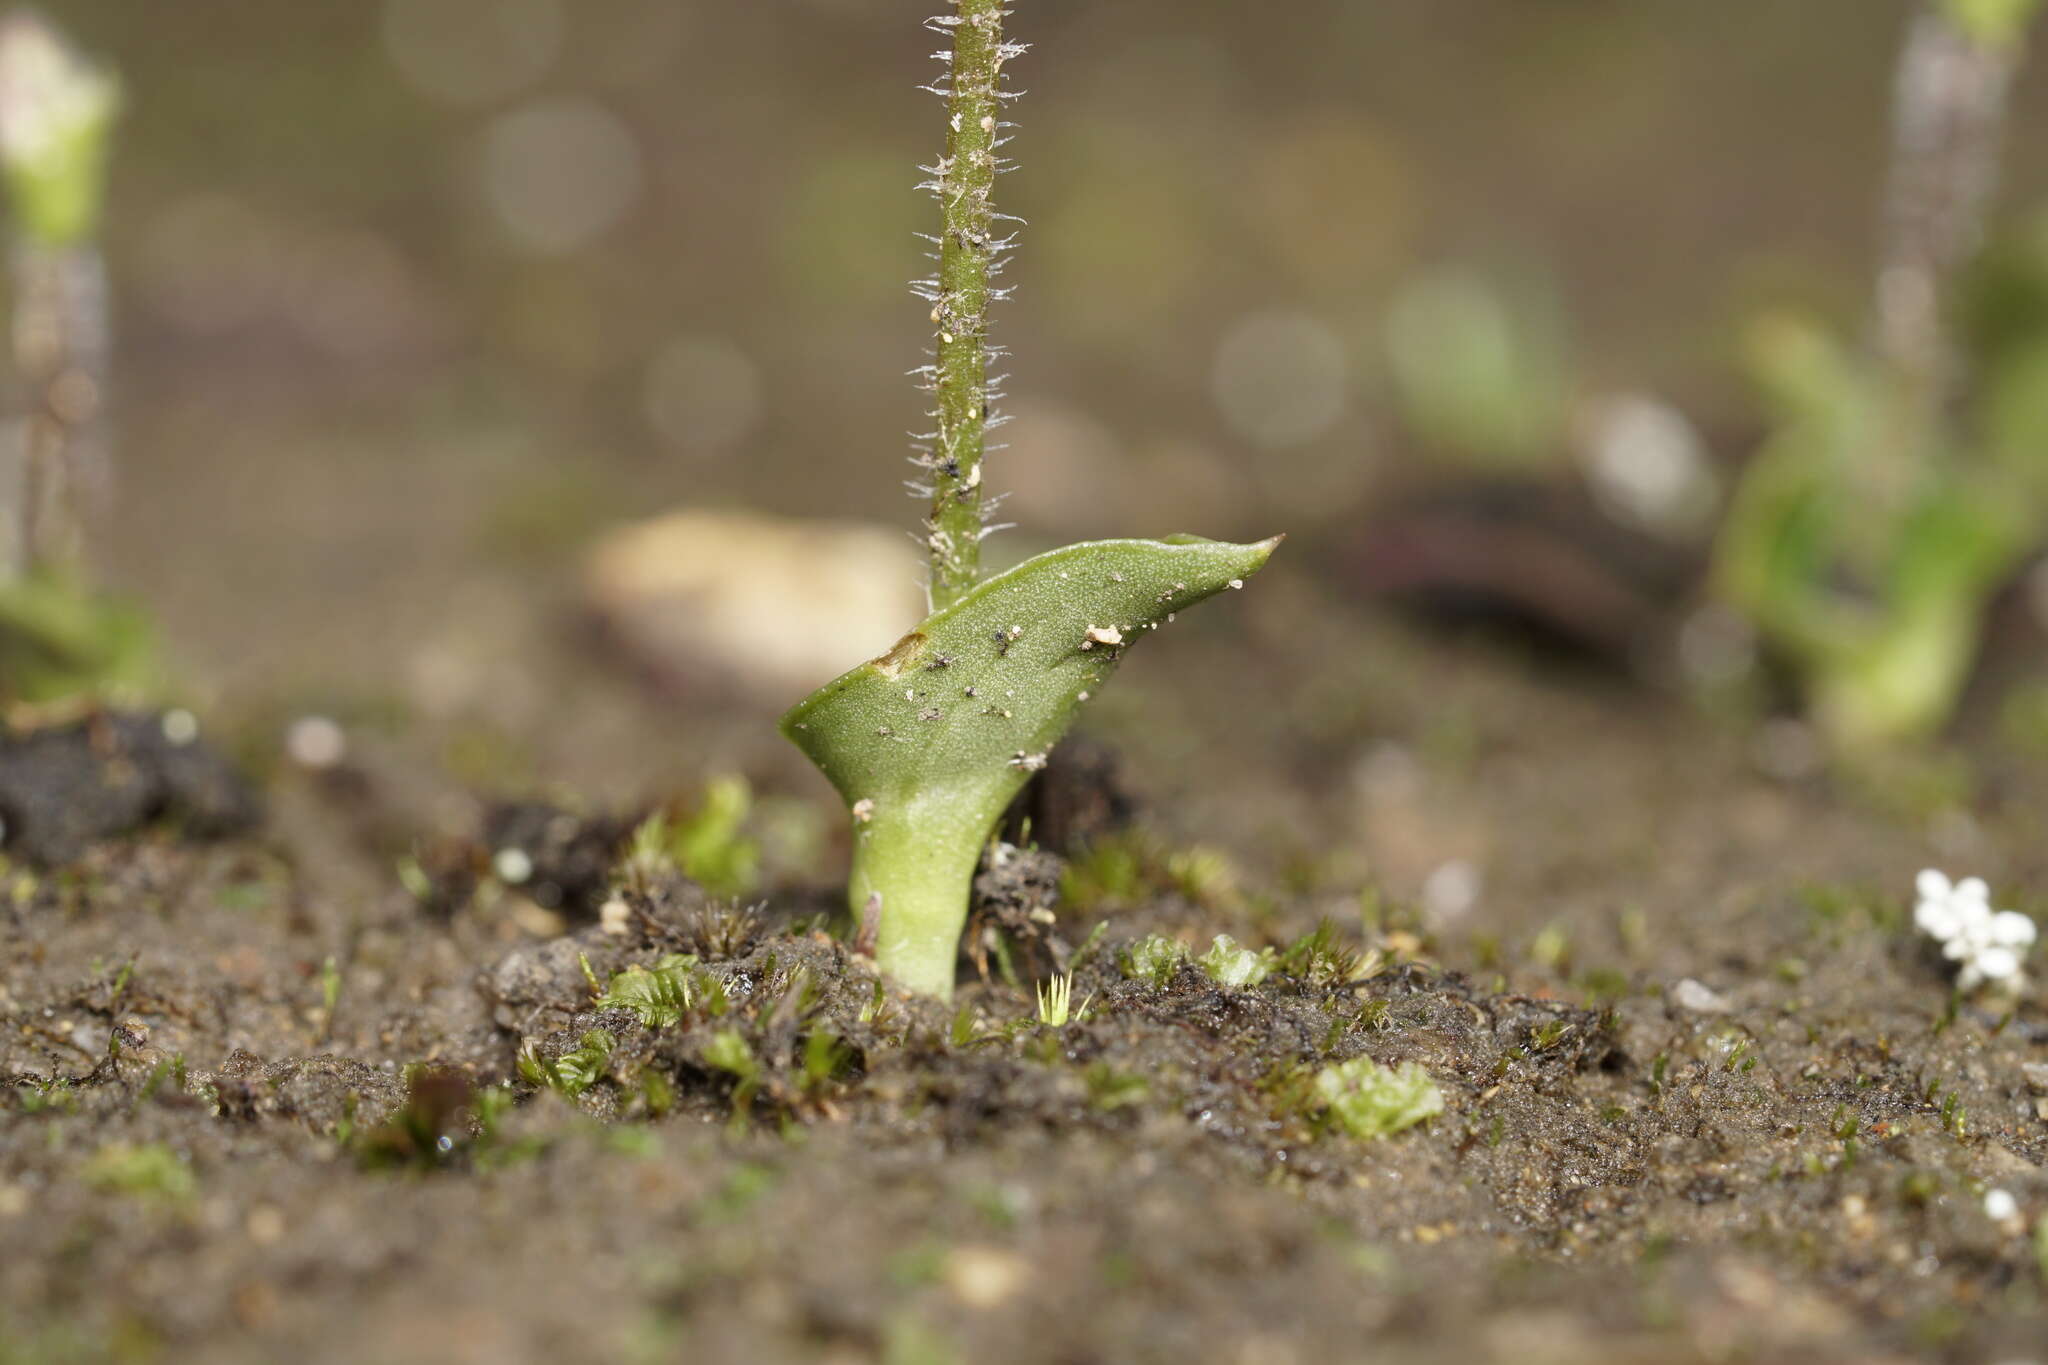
[[728, 1052], [709, 845], [929, 742], [1056, 1002], [970, 256]]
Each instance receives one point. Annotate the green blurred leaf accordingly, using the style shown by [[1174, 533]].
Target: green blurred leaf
[[1995, 23], [58, 640], [1480, 370]]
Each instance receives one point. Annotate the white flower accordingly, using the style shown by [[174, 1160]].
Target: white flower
[[1946, 907], [49, 95], [1989, 944]]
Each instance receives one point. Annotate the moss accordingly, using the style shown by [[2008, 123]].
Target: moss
[[1111, 872], [150, 1171], [574, 1071], [1153, 959], [659, 996], [1368, 1100], [1234, 967]]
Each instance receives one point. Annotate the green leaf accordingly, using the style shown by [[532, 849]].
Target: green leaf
[[1995, 23], [930, 741], [58, 640]]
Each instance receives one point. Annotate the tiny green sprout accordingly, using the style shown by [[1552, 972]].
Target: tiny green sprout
[[929, 742], [1230, 966], [574, 1071], [1110, 871], [728, 1052], [966, 1029], [1205, 876], [825, 1058], [1110, 1089], [1551, 948], [1546, 1036], [1368, 1100], [1056, 1002], [1153, 958], [149, 1171], [709, 845], [658, 996], [330, 996], [1320, 959]]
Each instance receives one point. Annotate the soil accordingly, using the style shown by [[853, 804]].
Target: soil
[[1706, 1097]]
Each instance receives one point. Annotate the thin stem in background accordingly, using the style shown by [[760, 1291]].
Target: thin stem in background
[[970, 256], [1948, 119], [60, 352]]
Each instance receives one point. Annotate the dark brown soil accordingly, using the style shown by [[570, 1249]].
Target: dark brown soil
[[263, 1100]]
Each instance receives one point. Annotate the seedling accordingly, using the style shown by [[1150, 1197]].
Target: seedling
[[709, 845], [929, 742], [57, 116], [728, 1052], [1867, 537], [1368, 1100], [1056, 1002]]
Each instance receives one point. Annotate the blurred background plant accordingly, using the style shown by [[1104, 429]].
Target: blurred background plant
[[1905, 479], [59, 636]]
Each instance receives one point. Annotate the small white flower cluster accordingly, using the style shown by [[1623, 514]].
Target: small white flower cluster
[[1988, 943]]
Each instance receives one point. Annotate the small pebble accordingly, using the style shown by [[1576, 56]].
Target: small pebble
[[180, 727], [513, 866], [985, 1277], [1692, 995], [265, 1225], [315, 742], [1999, 1205]]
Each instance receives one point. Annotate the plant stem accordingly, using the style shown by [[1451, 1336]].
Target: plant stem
[[920, 857], [969, 257], [60, 352], [1948, 117]]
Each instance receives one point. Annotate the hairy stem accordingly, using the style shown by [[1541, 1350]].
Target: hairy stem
[[1948, 116], [970, 255]]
